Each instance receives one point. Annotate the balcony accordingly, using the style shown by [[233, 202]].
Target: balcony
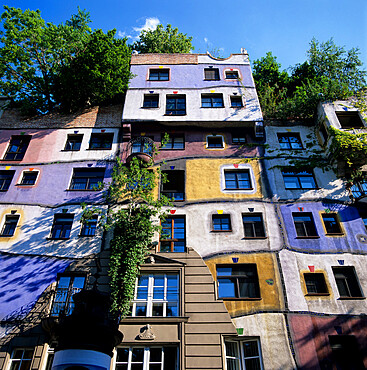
[[140, 147]]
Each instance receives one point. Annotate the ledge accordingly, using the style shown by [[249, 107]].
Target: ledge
[[240, 299], [351, 298], [254, 237], [155, 319], [307, 237], [317, 294]]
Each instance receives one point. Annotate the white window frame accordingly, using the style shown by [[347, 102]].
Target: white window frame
[[17, 360], [241, 356], [241, 166], [211, 136]]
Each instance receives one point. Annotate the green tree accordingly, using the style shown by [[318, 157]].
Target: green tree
[[163, 40]]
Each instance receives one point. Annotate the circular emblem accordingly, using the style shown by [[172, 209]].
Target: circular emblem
[[362, 238]]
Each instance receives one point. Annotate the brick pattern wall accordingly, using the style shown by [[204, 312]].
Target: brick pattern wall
[[164, 59]]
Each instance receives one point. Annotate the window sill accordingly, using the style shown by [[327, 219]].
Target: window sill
[[221, 231], [234, 107], [171, 148], [211, 79], [11, 160], [86, 236], [154, 319], [24, 185], [240, 299], [308, 237], [235, 189], [317, 294], [351, 298], [57, 238], [334, 234], [212, 107], [173, 115], [83, 189], [6, 236], [149, 107], [4, 191], [69, 150], [254, 237], [98, 148]]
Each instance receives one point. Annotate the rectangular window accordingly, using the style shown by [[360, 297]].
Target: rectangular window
[[304, 224], [289, 141], [175, 141], [346, 354], [29, 178], [159, 74], [315, 283], [243, 355], [176, 105], [221, 222], [253, 225], [67, 286], [232, 75], [21, 359], [238, 139], [323, 132], [6, 176], [73, 143], [237, 180], [298, 179], [17, 147], [174, 188], [214, 142], [211, 74], [331, 223], [347, 282], [359, 188], [142, 144], [10, 224], [89, 227], [172, 238], [87, 178], [151, 101], [236, 102], [212, 101], [61, 227], [238, 281], [101, 141], [349, 120], [156, 295]]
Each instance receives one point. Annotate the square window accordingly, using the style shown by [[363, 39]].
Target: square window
[[151, 101], [17, 147], [159, 74], [176, 105], [29, 178], [215, 142], [212, 101], [211, 74], [10, 224], [101, 141], [221, 223], [73, 143], [298, 179], [87, 178], [331, 223], [236, 102], [238, 281], [174, 188], [243, 355], [232, 75], [172, 238], [237, 180], [89, 226], [253, 225], [6, 176], [21, 358], [347, 282], [290, 141], [142, 144], [349, 120], [238, 139], [61, 227], [175, 141], [315, 283], [359, 188], [304, 224]]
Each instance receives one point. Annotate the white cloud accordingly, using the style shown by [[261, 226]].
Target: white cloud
[[150, 24], [206, 40]]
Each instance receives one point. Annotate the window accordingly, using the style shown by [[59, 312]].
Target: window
[[347, 282], [243, 355], [298, 179], [156, 295], [62, 226], [67, 286], [232, 75], [175, 185], [290, 141], [101, 141], [175, 141], [176, 105], [142, 144], [236, 102], [73, 143], [214, 142], [151, 101], [323, 133], [21, 359], [87, 178], [221, 222], [237, 180], [173, 235], [50, 359], [349, 119], [6, 176], [331, 223], [146, 358], [212, 101], [211, 74], [17, 147], [238, 139], [29, 178], [159, 74], [359, 188], [10, 224], [304, 224], [346, 354], [315, 283], [89, 226], [253, 225]]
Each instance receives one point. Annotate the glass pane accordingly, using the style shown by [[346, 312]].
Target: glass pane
[[15, 365], [291, 182], [250, 349], [170, 362], [165, 247], [179, 247], [226, 288], [307, 182], [121, 367], [247, 289], [122, 354], [79, 282], [252, 364], [172, 309], [158, 280], [155, 355], [136, 366], [142, 293], [233, 364], [157, 309], [155, 366], [158, 293], [137, 355], [141, 309]]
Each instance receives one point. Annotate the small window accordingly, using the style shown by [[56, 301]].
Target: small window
[[21, 358], [221, 223], [349, 120], [101, 141], [211, 73], [29, 178], [6, 176], [10, 224], [175, 141], [346, 354], [172, 237], [290, 141], [243, 355], [87, 178], [159, 74], [176, 105], [142, 144], [174, 188], [315, 283], [89, 226], [359, 188], [17, 147], [214, 142], [253, 225], [298, 179], [236, 102], [347, 282], [151, 101], [304, 224], [212, 101], [238, 281], [331, 223], [237, 180], [73, 143], [61, 227], [232, 75], [238, 139]]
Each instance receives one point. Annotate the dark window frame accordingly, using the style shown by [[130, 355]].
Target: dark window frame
[[299, 175], [27, 182], [10, 225], [236, 99], [287, 136], [232, 75], [211, 74], [6, 177], [221, 223], [212, 100], [238, 139], [175, 186], [73, 143], [347, 282], [151, 101], [89, 186], [101, 141], [306, 227], [349, 120], [175, 100], [21, 148], [169, 238], [315, 284], [213, 145], [89, 227], [62, 226], [237, 180], [256, 228], [359, 188], [172, 141], [331, 226], [160, 73]]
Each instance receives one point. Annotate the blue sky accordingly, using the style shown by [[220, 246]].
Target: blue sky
[[284, 27]]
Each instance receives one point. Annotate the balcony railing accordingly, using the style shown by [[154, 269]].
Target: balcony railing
[[141, 147]]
